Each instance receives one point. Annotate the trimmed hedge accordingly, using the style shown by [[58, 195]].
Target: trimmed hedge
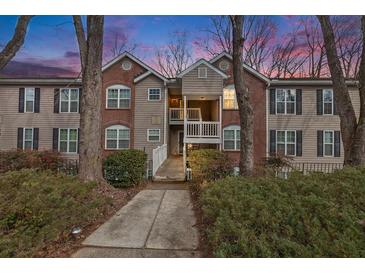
[[125, 168], [17, 159], [318, 215], [209, 164], [39, 207]]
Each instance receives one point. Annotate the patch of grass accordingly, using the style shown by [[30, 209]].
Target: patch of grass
[[318, 215], [39, 207]]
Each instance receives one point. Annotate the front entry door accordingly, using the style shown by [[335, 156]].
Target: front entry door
[[181, 142]]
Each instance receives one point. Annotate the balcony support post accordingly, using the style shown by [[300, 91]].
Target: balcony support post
[[185, 132]]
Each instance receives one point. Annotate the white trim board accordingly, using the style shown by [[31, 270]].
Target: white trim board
[[135, 59], [198, 63]]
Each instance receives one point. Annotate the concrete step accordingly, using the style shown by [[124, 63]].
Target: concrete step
[[168, 178]]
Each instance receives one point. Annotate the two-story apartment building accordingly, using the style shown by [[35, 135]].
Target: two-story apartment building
[[142, 109]]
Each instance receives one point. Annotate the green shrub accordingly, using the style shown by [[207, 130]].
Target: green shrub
[[18, 159], [125, 168], [38, 207], [317, 215], [209, 164]]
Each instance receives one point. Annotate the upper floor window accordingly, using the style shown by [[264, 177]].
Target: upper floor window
[[327, 101], [29, 100], [231, 138], [68, 140], [154, 94], [286, 142], [69, 100], [117, 137], [202, 72], [229, 98], [285, 101], [118, 97], [153, 135]]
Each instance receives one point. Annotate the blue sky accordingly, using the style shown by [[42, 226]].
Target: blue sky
[[51, 40]]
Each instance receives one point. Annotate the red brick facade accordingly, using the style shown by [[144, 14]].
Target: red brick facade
[[115, 75], [257, 88]]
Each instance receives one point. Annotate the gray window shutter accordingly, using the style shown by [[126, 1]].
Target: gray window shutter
[[37, 98], [272, 142], [80, 93], [78, 140], [20, 138], [35, 138], [299, 142], [21, 99], [272, 101], [298, 98], [319, 102], [337, 149], [55, 139], [320, 143], [56, 106]]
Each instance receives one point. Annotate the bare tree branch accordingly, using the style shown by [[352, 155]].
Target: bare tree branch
[[175, 57], [12, 47], [80, 34]]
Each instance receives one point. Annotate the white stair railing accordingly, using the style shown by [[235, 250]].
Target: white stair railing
[[159, 155]]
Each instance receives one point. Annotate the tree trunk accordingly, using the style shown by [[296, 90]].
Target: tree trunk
[[348, 121], [358, 146], [243, 99], [91, 51], [16, 41]]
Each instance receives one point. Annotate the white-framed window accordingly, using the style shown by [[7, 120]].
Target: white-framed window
[[154, 94], [286, 142], [68, 140], [202, 72], [328, 143], [229, 98], [28, 138], [29, 94], [118, 96], [117, 137], [327, 102], [285, 101], [231, 138], [153, 135], [69, 100]]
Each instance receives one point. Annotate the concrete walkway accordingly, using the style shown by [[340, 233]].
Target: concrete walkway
[[157, 222], [171, 170]]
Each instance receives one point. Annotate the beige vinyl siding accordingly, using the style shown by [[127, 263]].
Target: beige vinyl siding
[[309, 122], [144, 111], [193, 85], [45, 120]]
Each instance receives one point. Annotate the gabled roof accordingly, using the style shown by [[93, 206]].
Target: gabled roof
[[198, 63], [245, 66], [135, 59]]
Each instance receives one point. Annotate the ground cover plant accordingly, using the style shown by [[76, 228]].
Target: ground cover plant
[[317, 215], [40, 207]]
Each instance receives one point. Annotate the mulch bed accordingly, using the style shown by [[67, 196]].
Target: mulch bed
[[67, 244], [201, 224]]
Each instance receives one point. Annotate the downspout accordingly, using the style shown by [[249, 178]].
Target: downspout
[[165, 116]]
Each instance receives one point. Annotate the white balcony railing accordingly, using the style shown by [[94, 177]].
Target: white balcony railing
[[202, 129], [192, 114]]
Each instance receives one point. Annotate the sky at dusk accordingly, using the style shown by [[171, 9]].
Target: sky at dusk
[[51, 40]]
